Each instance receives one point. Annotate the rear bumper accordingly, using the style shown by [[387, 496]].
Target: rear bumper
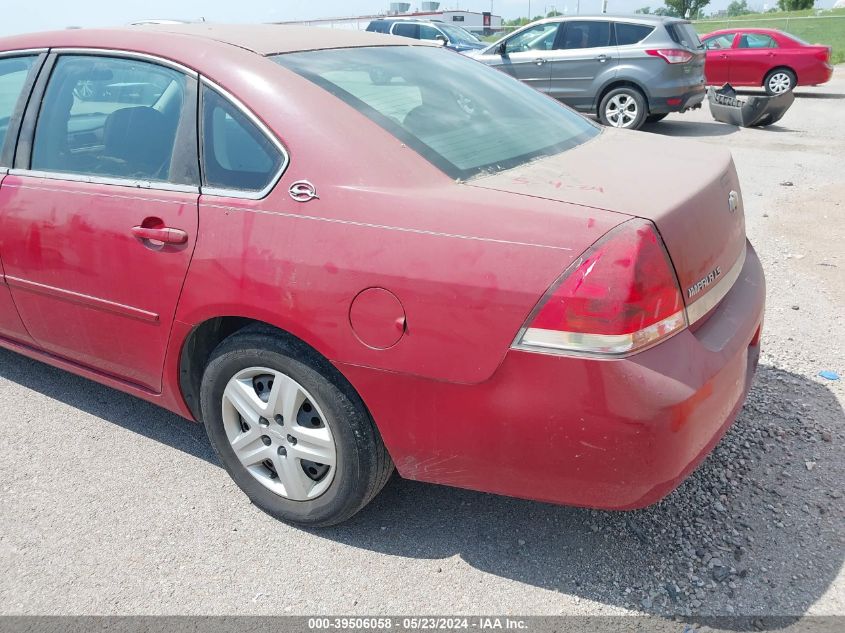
[[611, 434], [820, 76], [677, 102]]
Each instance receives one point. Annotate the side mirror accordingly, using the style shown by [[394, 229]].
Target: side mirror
[[502, 49], [442, 39]]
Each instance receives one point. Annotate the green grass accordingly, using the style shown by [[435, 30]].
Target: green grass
[[827, 29]]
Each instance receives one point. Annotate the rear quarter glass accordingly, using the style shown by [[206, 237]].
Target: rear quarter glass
[[628, 34]]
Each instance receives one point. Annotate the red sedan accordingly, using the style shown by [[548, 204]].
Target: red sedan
[[343, 251], [764, 57]]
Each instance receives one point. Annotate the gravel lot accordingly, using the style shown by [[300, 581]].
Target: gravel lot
[[112, 506]]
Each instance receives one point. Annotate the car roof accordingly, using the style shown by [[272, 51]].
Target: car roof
[[742, 29], [263, 39], [408, 20], [270, 39], [640, 18]]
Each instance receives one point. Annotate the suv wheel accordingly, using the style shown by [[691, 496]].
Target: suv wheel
[[624, 108], [290, 430], [779, 81]]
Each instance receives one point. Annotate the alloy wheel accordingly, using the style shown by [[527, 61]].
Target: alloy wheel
[[621, 110], [278, 433]]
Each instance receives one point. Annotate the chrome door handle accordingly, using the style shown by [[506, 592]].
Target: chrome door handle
[[539, 61], [602, 58]]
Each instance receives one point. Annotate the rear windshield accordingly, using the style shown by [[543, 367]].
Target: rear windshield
[[798, 40], [459, 114], [684, 33]]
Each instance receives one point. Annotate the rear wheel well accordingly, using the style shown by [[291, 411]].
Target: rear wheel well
[[619, 84], [197, 349], [777, 68]]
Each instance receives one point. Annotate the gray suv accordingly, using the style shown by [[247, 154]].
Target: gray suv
[[628, 70]]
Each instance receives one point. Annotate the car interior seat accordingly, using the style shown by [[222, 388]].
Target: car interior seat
[[137, 142]]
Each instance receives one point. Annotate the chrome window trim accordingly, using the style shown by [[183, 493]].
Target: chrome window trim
[[24, 52], [239, 105], [700, 307], [110, 52], [147, 185]]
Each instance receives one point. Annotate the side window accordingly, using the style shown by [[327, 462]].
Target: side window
[[583, 34], [428, 32], [756, 40], [236, 155], [109, 117], [627, 34], [720, 42], [407, 30], [537, 38], [14, 72]]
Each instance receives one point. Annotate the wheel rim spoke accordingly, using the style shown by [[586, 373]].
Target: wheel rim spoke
[[242, 396], [290, 398], [251, 452], [314, 445], [294, 480]]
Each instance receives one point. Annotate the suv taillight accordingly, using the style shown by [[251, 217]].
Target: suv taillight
[[620, 297], [671, 55]]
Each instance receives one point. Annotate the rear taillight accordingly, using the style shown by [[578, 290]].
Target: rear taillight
[[620, 297], [671, 55], [823, 54]]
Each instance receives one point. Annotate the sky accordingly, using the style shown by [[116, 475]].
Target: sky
[[44, 15]]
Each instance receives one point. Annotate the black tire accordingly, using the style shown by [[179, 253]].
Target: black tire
[[363, 464], [654, 118], [635, 96], [779, 72]]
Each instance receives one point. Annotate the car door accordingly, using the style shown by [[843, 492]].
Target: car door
[[17, 76], [99, 214], [585, 56], [754, 55], [720, 52], [525, 55]]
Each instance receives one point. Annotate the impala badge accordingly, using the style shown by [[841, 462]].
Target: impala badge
[[733, 201], [702, 283], [303, 191]]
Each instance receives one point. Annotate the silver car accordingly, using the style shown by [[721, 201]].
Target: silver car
[[628, 70]]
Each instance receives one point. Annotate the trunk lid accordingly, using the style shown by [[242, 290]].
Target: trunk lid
[[689, 190]]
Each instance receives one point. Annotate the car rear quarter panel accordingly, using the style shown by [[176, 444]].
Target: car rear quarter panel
[[465, 291], [657, 78]]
